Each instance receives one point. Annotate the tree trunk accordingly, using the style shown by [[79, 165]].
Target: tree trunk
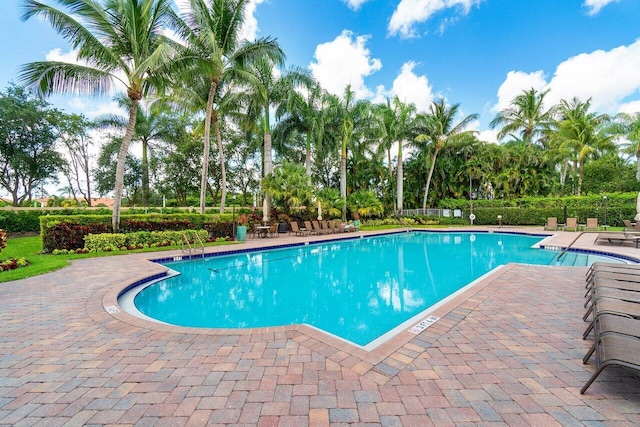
[[400, 183], [223, 169], [122, 156], [426, 188], [390, 171], [207, 147], [307, 157], [268, 168], [580, 177], [343, 185], [145, 173]]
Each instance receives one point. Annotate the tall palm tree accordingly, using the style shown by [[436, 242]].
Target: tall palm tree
[[117, 41], [270, 89], [525, 117], [306, 115], [582, 133], [404, 129], [627, 126], [442, 127], [148, 128], [214, 50], [352, 115]]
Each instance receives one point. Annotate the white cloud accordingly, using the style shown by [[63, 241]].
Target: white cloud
[[250, 28], [59, 56], [344, 61], [630, 107], [355, 4], [411, 12], [514, 84], [489, 135], [594, 6], [608, 77], [409, 87]]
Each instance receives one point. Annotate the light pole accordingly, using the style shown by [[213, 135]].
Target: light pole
[[233, 219], [604, 200]]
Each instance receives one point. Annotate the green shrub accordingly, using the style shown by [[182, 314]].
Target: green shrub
[[138, 240], [99, 242]]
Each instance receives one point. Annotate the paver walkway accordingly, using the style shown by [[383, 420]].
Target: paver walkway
[[508, 353]]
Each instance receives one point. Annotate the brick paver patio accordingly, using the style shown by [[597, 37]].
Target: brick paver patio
[[508, 352]]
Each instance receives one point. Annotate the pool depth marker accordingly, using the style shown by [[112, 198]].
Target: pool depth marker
[[424, 324]]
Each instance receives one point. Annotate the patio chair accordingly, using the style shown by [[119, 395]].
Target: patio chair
[[309, 227], [592, 225], [615, 349], [572, 224], [611, 323], [611, 293], [616, 238], [318, 228], [325, 227], [611, 306], [273, 230], [551, 224], [629, 227], [297, 230]]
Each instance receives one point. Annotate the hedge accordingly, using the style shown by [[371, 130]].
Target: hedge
[[538, 216], [68, 232], [141, 239]]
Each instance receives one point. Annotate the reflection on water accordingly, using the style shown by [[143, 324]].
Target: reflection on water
[[356, 289]]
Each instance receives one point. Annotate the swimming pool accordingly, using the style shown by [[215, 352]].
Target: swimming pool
[[356, 289]]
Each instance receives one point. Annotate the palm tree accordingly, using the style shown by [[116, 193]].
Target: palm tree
[[148, 128], [628, 126], [403, 130], [306, 115], [582, 133], [214, 51], [525, 116], [441, 128], [290, 184], [270, 89], [352, 117], [117, 41]]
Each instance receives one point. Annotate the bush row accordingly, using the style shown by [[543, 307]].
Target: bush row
[[68, 232], [613, 200], [138, 240], [538, 216]]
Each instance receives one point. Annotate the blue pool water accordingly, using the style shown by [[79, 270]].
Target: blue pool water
[[356, 289]]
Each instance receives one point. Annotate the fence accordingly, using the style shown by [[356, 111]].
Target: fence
[[448, 213]]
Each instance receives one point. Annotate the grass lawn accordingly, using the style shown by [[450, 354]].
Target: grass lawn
[[30, 247]]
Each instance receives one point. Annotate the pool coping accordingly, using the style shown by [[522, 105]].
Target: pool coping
[[362, 360]]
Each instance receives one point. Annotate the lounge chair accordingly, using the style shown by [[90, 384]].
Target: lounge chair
[[334, 227], [629, 227], [611, 306], [610, 293], [572, 224], [551, 224], [317, 228], [309, 227], [325, 227], [592, 225], [611, 323], [297, 230], [614, 349], [616, 238]]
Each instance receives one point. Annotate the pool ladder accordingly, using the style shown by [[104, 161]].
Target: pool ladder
[[187, 243]]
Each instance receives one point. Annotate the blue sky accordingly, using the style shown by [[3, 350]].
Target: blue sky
[[478, 53]]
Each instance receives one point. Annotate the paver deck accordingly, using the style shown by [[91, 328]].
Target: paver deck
[[507, 352]]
